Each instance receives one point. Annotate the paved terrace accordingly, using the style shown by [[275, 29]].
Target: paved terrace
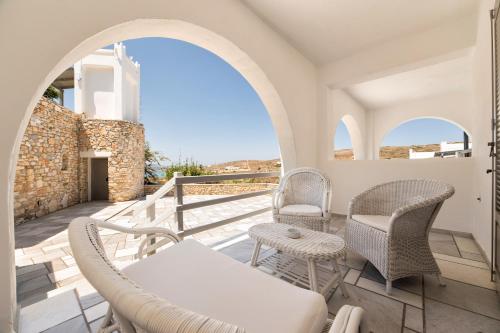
[[56, 298]]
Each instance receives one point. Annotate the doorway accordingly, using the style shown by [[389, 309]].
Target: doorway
[[99, 179]]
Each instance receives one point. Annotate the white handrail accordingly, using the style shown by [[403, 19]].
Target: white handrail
[[176, 184], [164, 189]]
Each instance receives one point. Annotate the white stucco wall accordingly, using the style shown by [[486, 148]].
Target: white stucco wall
[[443, 42], [282, 77], [345, 108], [107, 84], [446, 42], [98, 92], [481, 130], [350, 178]]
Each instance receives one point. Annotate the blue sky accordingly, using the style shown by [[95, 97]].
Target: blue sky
[[418, 131], [195, 105]]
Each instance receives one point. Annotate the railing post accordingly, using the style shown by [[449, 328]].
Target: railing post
[[179, 214], [150, 211], [150, 217]]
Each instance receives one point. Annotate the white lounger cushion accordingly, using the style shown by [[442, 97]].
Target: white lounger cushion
[[200, 279], [379, 222], [301, 210]]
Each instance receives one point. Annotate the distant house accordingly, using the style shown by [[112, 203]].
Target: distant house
[[447, 149], [232, 168], [93, 153]]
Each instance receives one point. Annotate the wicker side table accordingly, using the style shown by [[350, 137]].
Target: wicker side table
[[312, 246]]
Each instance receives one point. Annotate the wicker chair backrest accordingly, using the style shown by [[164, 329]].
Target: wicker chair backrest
[[305, 186], [384, 199]]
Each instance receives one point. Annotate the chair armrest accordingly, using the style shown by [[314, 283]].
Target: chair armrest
[[347, 320], [414, 206], [150, 243], [327, 200], [409, 219], [277, 202]]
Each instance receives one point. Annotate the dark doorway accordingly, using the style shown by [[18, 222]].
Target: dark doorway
[[99, 179]]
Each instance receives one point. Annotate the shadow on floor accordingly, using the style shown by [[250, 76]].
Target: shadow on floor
[[34, 283], [36, 231]]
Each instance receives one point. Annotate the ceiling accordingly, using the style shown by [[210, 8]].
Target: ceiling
[[441, 78], [327, 30]]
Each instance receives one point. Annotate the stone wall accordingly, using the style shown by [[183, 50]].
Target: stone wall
[[216, 189], [125, 141], [47, 168], [50, 173]]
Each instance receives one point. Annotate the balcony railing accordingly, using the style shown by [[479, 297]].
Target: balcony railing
[[176, 184]]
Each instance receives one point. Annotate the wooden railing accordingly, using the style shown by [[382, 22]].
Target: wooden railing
[[177, 183]]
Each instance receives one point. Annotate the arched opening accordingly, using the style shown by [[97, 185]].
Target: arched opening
[[182, 31], [342, 144], [423, 138], [348, 140], [199, 116], [200, 37]]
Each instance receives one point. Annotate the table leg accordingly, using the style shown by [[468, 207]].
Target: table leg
[[255, 254], [340, 278], [313, 278]]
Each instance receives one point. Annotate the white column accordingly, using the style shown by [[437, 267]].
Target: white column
[[118, 77], [79, 87]]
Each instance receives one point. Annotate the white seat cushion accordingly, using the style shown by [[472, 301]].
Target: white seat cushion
[[379, 222], [301, 210], [200, 279]]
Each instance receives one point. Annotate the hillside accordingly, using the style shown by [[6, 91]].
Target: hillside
[[246, 166], [243, 166], [389, 152]]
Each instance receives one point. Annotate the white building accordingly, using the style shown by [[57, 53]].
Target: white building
[[107, 84], [457, 149]]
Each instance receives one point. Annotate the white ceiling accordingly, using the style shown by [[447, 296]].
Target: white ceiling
[[445, 77], [326, 30]]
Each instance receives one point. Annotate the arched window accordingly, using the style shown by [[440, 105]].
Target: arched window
[[426, 138], [342, 143]]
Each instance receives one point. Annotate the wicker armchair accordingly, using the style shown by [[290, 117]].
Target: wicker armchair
[[303, 199], [134, 308], [389, 225]]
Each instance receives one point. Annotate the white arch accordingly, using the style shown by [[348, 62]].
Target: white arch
[[355, 135], [392, 127], [108, 26], [201, 37]]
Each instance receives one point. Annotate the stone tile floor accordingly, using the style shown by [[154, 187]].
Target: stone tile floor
[[56, 298]]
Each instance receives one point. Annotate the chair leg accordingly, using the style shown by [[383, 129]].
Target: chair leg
[[388, 287], [313, 275], [342, 286], [440, 280], [108, 325], [255, 254]]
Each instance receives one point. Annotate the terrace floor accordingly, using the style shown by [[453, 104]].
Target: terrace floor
[[55, 297]]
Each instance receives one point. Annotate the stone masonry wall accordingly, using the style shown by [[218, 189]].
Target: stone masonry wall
[[47, 167], [125, 141], [51, 175], [216, 189]]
